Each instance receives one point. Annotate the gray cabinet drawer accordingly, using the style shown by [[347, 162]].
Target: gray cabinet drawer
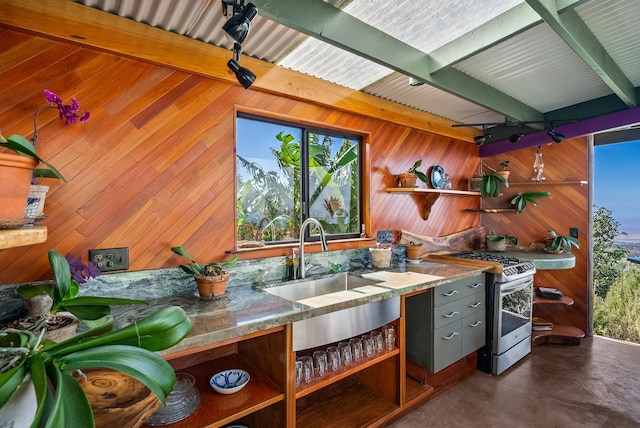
[[446, 293], [473, 333], [447, 345], [472, 304], [448, 313], [472, 285]]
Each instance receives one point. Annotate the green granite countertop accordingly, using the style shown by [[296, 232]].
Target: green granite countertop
[[246, 309], [541, 259]]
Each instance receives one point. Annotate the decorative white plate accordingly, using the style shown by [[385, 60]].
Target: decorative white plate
[[437, 177], [229, 381]]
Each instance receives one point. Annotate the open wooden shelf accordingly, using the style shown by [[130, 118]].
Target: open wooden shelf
[[549, 183], [218, 409], [26, 235], [559, 333], [430, 196], [321, 382], [493, 210], [345, 403]]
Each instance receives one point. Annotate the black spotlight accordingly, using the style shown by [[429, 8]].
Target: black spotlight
[[555, 136], [481, 139], [238, 26], [244, 75], [516, 137]]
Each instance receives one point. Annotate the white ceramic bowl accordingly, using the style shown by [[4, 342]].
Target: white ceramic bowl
[[229, 381]]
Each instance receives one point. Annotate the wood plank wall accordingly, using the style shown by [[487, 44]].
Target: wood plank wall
[[154, 166], [568, 206]]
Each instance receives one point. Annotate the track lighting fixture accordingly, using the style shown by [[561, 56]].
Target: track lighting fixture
[[238, 26], [555, 136], [245, 76], [516, 137], [481, 139]]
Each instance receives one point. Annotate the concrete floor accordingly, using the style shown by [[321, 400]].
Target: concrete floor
[[596, 384]]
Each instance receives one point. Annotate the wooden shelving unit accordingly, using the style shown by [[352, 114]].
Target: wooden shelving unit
[[430, 196], [27, 235], [564, 334], [549, 183]]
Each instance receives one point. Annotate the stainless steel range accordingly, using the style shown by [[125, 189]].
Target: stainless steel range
[[509, 307]]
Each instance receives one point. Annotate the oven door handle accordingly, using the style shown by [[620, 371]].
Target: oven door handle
[[517, 285]]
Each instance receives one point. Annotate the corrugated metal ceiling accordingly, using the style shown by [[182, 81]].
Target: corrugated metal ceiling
[[533, 66]]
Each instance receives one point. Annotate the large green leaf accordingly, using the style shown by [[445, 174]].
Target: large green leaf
[[22, 146], [40, 384], [9, 382], [70, 407], [28, 291], [62, 273], [147, 367]]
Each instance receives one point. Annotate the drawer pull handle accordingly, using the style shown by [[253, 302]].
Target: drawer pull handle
[[476, 285], [450, 293], [451, 336], [475, 324], [452, 314], [475, 305]]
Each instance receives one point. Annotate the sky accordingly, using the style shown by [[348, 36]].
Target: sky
[[615, 184]]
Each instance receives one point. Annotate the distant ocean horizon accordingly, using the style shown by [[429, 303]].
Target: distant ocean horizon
[[629, 231]]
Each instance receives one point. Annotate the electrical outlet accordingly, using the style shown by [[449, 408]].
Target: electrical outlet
[[385, 236], [110, 259], [573, 231]]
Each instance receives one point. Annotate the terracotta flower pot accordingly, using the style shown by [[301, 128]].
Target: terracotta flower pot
[[212, 286], [15, 176], [504, 174], [414, 251], [407, 179]]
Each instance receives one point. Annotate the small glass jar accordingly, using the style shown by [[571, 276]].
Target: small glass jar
[[447, 182]]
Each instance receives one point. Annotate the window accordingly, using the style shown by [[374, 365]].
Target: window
[[287, 173]]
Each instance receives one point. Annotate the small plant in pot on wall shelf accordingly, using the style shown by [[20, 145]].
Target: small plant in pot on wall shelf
[[504, 171], [409, 178], [558, 243], [211, 278], [500, 242]]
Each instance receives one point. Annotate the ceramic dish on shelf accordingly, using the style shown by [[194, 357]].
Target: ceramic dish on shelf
[[183, 400], [437, 177], [229, 381]]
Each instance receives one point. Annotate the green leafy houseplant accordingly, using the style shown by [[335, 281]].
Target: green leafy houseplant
[[558, 243], [408, 179], [499, 242], [521, 199], [491, 184], [61, 401], [64, 295], [211, 278]]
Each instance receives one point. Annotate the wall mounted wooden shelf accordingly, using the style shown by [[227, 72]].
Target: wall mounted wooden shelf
[[494, 210], [430, 196], [561, 334], [21, 236], [549, 183]]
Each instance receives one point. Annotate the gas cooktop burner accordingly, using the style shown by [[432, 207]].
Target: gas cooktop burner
[[512, 267]]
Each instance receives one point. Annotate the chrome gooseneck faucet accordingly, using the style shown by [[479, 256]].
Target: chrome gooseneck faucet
[[303, 268]]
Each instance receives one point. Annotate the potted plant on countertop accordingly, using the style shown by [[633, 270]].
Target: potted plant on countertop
[[211, 278], [409, 178], [414, 250], [63, 308], [38, 387], [558, 243], [499, 242]]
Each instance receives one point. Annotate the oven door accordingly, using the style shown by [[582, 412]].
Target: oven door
[[514, 303]]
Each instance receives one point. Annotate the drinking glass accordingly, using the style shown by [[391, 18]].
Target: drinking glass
[[378, 341], [346, 357], [320, 362], [307, 368], [356, 348], [367, 345], [298, 372], [333, 358], [389, 332]]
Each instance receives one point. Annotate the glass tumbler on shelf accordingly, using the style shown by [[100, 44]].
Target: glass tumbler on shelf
[[378, 341], [389, 332], [368, 346], [320, 363], [333, 358], [356, 348], [346, 357], [307, 368], [447, 182]]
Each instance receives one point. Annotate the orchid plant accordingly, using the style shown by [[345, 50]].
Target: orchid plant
[[24, 147]]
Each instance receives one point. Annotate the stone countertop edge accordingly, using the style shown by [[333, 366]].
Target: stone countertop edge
[[246, 309], [541, 259]]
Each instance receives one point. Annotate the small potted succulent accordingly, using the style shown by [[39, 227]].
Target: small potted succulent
[[211, 278], [409, 178], [499, 242], [414, 250], [558, 243]]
